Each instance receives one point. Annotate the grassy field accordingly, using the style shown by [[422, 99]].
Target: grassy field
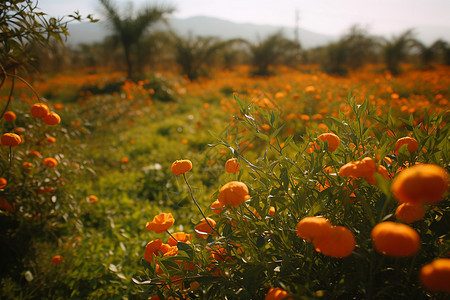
[[118, 139]]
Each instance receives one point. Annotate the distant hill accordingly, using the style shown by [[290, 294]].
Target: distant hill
[[207, 26], [89, 33]]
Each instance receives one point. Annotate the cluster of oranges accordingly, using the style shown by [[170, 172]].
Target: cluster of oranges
[[413, 188], [334, 241], [41, 111], [38, 110], [10, 139]]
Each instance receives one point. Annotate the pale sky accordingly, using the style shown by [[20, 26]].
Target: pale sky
[[332, 17]]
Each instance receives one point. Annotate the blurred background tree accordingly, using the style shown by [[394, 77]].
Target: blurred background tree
[[396, 50], [272, 51], [24, 29], [196, 55], [354, 50], [129, 28], [435, 53], [141, 45]]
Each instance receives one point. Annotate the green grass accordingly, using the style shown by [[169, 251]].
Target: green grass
[[103, 244]]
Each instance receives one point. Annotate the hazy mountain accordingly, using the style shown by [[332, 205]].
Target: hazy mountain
[[88, 33], [207, 26]]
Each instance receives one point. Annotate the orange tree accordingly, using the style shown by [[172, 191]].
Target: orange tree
[[316, 218], [35, 203], [129, 28]]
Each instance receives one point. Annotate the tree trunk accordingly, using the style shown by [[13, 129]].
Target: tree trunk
[[128, 61]]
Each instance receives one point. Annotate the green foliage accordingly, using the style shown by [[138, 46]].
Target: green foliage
[[396, 51], [353, 51], [271, 51], [102, 244], [23, 25], [129, 28], [196, 55], [44, 205], [255, 249], [432, 54]]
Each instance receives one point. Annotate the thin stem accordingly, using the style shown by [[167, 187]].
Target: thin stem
[[310, 259], [10, 156], [196, 203], [246, 231], [29, 85], [369, 288], [248, 209], [9, 97], [383, 209], [172, 236], [23, 80], [4, 75]]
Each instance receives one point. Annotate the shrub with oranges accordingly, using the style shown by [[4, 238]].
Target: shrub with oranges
[[303, 222]]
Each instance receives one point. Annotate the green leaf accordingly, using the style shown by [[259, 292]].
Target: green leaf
[[186, 248], [260, 242], [362, 108], [262, 136], [426, 118], [288, 140], [383, 184], [227, 229], [411, 120], [338, 122], [274, 134], [277, 119], [403, 153], [389, 118], [168, 264], [239, 102], [407, 122], [148, 266]]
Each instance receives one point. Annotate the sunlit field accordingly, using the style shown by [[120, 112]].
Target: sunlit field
[[306, 145], [163, 167]]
